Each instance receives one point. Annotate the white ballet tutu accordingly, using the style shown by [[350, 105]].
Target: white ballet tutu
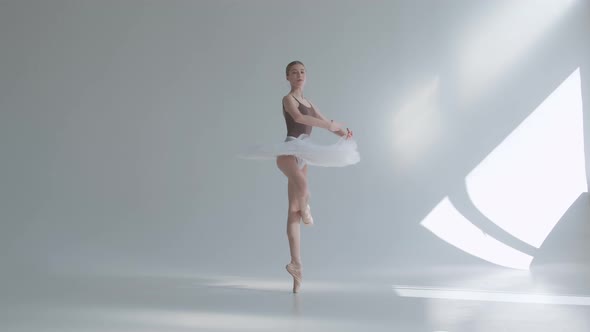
[[342, 153]]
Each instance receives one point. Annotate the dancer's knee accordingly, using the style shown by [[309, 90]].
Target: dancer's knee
[[294, 212]]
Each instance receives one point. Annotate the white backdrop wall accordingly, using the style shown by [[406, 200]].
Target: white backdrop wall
[[120, 122]]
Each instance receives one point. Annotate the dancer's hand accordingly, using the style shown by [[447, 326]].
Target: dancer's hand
[[348, 133]]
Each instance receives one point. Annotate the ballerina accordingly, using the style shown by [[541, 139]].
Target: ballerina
[[297, 152]]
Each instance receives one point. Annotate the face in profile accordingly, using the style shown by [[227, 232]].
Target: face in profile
[[296, 76]]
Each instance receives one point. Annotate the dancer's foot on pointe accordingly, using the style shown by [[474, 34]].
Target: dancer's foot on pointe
[[294, 270]]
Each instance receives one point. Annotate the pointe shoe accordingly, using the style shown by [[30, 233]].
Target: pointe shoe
[[306, 216], [297, 276]]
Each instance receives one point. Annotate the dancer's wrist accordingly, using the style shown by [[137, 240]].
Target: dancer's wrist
[[331, 126]]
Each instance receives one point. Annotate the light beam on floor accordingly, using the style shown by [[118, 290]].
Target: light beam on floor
[[489, 296]]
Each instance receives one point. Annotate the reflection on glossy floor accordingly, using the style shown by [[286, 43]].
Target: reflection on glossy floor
[[550, 298]]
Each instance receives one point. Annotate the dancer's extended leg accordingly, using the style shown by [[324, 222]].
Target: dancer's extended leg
[[304, 201], [298, 178]]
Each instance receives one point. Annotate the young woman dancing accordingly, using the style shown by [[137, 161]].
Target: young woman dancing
[[297, 152]]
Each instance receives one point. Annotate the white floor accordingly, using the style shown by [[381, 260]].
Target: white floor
[[555, 298]]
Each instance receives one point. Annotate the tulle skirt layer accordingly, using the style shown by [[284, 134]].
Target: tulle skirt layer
[[342, 153]]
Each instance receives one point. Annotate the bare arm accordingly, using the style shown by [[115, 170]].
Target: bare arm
[[339, 132]]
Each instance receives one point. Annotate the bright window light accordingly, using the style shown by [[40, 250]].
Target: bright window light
[[451, 226], [530, 180], [526, 184]]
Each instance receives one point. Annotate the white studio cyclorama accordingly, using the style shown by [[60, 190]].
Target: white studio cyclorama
[[125, 206]]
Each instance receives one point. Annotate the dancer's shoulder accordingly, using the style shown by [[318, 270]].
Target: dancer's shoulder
[[289, 100]]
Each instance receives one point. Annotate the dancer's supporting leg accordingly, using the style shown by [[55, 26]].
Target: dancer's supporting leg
[[297, 193]]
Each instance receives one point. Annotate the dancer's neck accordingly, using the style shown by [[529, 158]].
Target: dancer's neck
[[297, 93]]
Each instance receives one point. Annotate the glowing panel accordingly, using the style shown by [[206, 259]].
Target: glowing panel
[[451, 226], [528, 182]]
